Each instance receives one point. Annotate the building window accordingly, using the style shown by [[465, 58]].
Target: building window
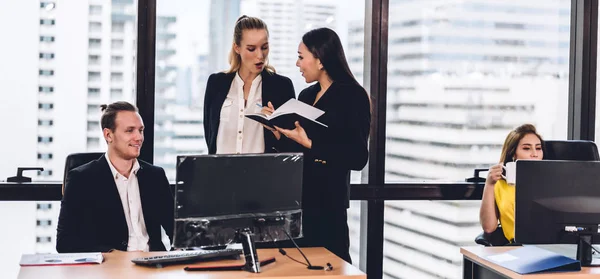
[[43, 239], [95, 26], [44, 156], [93, 125], [45, 55], [45, 173], [116, 44], [94, 43], [44, 206], [93, 76], [93, 92], [47, 39], [46, 72], [116, 60], [93, 142], [45, 106], [116, 93], [118, 27], [46, 89], [43, 223], [45, 122], [94, 59], [45, 139], [47, 21], [95, 9], [116, 76]]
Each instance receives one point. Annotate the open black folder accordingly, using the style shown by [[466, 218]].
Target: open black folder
[[531, 259], [287, 114]]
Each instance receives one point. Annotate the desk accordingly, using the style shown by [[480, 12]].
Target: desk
[[118, 264], [475, 266]]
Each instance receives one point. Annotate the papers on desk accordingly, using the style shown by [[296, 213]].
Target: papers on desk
[[61, 259], [531, 259]]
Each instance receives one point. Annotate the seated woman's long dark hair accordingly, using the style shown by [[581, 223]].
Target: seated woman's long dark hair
[[325, 44]]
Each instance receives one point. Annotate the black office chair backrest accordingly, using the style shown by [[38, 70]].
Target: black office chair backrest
[[77, 159], [571, 150]]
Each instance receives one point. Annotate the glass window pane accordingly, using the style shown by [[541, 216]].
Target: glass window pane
[[419, 235], [462, 74], [59, 74], [194, 42]]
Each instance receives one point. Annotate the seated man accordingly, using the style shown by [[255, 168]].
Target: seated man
[[116, 202]]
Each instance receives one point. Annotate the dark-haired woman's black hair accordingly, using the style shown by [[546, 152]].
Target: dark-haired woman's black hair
[[325, 45]]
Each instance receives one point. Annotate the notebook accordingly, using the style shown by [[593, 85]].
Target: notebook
[[61, 259], [287, 114], [531, 259]]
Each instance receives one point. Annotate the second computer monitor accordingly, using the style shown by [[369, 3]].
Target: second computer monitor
[[553, 197]]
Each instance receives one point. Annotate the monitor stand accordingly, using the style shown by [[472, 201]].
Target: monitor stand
[[584, 250], [253, 264]]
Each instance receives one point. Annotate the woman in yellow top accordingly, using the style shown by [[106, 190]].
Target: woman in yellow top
[[498, 201]]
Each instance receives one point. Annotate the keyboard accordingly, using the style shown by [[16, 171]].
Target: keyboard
[[187, 257]]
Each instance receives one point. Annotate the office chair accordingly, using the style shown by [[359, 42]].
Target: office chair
[[568, 150], [77, 159]]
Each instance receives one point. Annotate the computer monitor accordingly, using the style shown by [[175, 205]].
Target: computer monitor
[[558, 202], [219, 196]]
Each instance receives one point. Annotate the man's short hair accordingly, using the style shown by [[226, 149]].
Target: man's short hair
[[109, 113]]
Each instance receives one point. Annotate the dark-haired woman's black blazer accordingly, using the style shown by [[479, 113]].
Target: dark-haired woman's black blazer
[[335, 151], [275, 88]]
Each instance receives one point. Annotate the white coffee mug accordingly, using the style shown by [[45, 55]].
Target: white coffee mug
[[511, 173]]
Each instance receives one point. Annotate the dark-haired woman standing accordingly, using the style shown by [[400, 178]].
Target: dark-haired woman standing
[[330, 153]]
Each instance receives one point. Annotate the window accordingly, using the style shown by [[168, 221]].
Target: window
[[95, 10], [44, 156], [45, 173], [44, 223], [116, 60], [43, 239], [116, 76], [93, 126], [93, 76], [116, 44], [47, 5], [46, 56], [47, 39], [56, 106], [44, 206], [46, 72], [45, 139], [45, 106], [116, 93], [45, 89], [95, 26], [45, 122], [93, 142], [118, 27], [94, 59], [94, 43], [47, 22], [178, 124], [458, 81]]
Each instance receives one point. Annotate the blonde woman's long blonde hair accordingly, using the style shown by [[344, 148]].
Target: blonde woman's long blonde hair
[[245, 23]]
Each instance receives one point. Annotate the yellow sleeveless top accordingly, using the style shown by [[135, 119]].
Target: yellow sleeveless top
[[505, 201]]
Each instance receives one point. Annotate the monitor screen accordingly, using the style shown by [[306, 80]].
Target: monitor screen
[[553, 197], [223, 185]]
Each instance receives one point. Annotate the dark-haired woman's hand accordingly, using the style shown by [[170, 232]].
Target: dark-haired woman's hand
[[298, 135], [494, 174]]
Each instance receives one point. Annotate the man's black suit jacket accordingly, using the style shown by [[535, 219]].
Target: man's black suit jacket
[[275, 89], [91, 214]]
